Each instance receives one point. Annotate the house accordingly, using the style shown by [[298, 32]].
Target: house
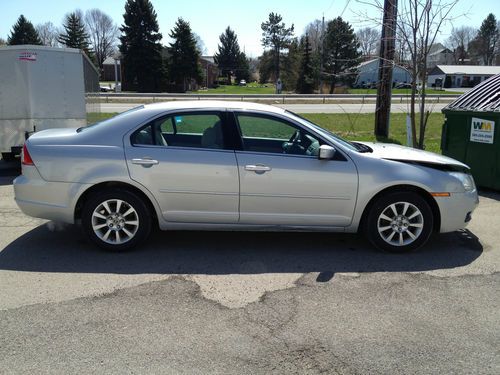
[[368, 74], [210, 71], [108, 69], [439, 55], [460, 75]]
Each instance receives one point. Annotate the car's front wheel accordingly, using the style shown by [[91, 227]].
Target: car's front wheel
[[116, 220], [399, 222]]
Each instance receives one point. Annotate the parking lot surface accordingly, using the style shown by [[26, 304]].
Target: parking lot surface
[[250, 303]]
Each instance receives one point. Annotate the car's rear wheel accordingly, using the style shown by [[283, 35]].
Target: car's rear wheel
[[116, 220], [399, 222]]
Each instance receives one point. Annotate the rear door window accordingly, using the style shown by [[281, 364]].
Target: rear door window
[[196, 130]]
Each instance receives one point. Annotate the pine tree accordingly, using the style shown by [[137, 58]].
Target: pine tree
[[291, 65], [487, 39], [276, 36], [143, 68], [23, 32], [341, 51], [243, 70], [305, 83], [184, 55], [228, 56], [75, 35], [266, 68]]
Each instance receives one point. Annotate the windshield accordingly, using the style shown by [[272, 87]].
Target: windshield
[[109, 120], [350, 145]]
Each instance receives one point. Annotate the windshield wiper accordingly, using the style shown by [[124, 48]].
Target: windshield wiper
[[362, 147]]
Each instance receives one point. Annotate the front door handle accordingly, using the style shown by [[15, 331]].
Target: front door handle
[[145, 162], [259, 168]]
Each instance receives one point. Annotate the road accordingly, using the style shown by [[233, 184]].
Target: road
[[300, 108], [247, 303]]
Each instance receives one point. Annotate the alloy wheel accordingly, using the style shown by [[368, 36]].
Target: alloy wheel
[[115, 221], [400, 223]]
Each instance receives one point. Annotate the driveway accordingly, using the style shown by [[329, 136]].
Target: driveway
[[251, 303]]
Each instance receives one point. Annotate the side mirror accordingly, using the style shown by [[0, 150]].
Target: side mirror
[[326, 152]]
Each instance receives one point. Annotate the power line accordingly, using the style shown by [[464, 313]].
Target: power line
[[330, 7], [346, 5]]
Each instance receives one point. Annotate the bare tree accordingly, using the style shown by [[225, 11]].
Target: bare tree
[[314, 31], [419, 24], [369, 39], [401, 56], [48, 34], [103, 34], [458, 43], [3, 42], [200, 44]]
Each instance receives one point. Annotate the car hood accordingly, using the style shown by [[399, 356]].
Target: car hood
[[395, 152]]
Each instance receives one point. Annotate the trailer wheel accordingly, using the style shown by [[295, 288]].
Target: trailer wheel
[[8, 156]]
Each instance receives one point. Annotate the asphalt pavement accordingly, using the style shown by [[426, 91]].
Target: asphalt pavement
[[249, 303], [300, 108]]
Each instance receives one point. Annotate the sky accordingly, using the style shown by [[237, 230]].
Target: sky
[[210, 18]]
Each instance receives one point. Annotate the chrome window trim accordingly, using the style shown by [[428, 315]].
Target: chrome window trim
[[173, 112]]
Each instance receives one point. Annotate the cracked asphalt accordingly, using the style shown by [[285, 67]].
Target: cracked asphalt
[[247, 303]]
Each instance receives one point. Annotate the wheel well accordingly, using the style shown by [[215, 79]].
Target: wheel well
[[405, 188], [116, 185]]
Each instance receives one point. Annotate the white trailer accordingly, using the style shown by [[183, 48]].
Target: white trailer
[[41, 88]]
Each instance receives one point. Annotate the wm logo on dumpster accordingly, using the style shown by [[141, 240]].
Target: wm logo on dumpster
[[482, 131], [482, 125]]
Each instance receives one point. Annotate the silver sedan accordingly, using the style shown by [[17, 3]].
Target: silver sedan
[[237, 166]]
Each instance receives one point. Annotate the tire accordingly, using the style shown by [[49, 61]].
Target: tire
[[403, 230], [116, 220], [8, 156]]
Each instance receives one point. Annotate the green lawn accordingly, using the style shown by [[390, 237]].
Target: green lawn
[[251, 88], [357, 127], [401, 91], [255, 88]]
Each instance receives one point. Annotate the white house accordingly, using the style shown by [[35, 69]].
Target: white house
[[460, 75], [439, 55], [368, 74]]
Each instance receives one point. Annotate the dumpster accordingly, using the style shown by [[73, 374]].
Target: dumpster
[[471, 132]]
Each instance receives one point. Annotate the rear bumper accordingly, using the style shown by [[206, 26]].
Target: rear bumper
[[47, 200], [456, 210]]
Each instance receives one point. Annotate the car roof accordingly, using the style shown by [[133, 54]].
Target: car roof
[[211, 104]]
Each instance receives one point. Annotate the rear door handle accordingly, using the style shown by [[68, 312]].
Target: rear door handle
[[257, 168], [146, 162]]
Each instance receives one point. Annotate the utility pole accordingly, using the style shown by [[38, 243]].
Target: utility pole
[[322, 54], [386, 62]]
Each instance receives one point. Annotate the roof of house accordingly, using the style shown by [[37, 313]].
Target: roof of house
[[375, 61], [469, 69], [111, 61], [483, 97], [210, 59], [437, 49]]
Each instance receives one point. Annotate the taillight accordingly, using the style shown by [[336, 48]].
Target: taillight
[[26, 157]]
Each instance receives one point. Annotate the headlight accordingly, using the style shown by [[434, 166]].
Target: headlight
[[466, 180]]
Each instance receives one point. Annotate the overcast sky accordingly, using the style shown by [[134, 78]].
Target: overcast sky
[[209, 18]]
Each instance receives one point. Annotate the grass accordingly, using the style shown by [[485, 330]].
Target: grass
[[255, 88], [357, 127], [251, 88], [401, 91]]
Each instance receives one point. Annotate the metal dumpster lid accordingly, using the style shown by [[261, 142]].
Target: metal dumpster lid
[[484, 97]]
